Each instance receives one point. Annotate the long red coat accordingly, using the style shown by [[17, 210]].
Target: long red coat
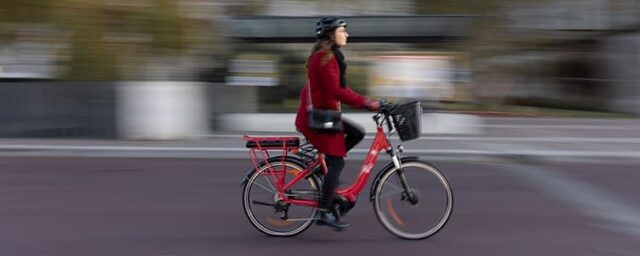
[[326, 93]]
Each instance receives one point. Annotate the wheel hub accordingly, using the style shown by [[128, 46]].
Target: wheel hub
[[411, 198]]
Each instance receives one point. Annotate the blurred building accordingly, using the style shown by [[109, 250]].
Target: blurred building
[[305, 8], [249, 55], [576, 54], [285, 42], [35, 54]]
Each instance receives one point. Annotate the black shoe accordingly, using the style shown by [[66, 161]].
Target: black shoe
[[329, 219]]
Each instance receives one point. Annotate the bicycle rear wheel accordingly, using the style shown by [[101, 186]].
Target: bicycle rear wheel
[[419, 211], [264, 209]]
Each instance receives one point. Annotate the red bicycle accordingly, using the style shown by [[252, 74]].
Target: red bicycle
[[411, 198]]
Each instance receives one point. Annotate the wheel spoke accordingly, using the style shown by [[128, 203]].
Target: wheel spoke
[[391, 193], [413, 219], [393, 190], [270, 187], [287, 220]]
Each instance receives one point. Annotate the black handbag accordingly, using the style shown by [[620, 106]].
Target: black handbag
[[326, 121], [323, 120]]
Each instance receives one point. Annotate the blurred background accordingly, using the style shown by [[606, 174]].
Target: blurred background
[[164, 69], [120, 121]]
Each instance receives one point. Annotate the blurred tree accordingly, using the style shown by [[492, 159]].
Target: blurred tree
[[91, 58], [14, 12], [112, 40], [165, 25], [20, 11]]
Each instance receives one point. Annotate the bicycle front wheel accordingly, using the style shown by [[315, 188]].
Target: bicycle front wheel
[[269, 214], [414, 202]]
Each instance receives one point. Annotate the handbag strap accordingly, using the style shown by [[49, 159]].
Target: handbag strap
[[309, 104]]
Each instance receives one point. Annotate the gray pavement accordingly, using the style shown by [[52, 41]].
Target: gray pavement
[[527, 139], [161, 207]]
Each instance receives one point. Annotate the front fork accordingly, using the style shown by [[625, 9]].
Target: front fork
[[407, 193]]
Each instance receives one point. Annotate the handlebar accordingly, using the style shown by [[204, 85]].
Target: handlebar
[[385, 106], [383, 112]]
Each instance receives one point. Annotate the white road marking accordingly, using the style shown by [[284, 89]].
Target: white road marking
[[489, 139], [116, 148], [572, 127], [509, 152]]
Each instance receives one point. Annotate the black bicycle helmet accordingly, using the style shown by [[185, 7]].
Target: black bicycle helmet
[[328, 24]]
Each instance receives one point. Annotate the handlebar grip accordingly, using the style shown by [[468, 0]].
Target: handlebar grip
[[386, 106]]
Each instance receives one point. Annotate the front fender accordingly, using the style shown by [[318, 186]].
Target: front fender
[[385, 169]]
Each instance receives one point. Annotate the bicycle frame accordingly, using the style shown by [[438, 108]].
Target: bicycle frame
[[380, 142], [271, 189]]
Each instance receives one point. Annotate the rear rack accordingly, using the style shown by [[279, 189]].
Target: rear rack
[[273, 144]]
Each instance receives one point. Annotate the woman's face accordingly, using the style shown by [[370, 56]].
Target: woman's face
[[340, 36]]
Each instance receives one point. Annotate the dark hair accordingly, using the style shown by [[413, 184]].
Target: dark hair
[[325, 46], [325, 30]]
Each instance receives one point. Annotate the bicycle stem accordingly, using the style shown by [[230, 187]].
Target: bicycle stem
[[391, 151]]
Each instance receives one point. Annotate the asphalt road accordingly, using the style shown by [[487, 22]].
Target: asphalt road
[[162, 207]]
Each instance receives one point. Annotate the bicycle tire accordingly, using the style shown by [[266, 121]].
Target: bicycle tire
[[393, 208], [266, 220]]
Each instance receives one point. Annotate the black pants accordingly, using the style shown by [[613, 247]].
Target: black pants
[[353, 135]]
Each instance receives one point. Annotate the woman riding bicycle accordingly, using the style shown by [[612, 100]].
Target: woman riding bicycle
[[326, 72]]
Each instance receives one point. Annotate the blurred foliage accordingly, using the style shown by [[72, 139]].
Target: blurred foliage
[[32, 11], [165, 25], [107, 36]]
